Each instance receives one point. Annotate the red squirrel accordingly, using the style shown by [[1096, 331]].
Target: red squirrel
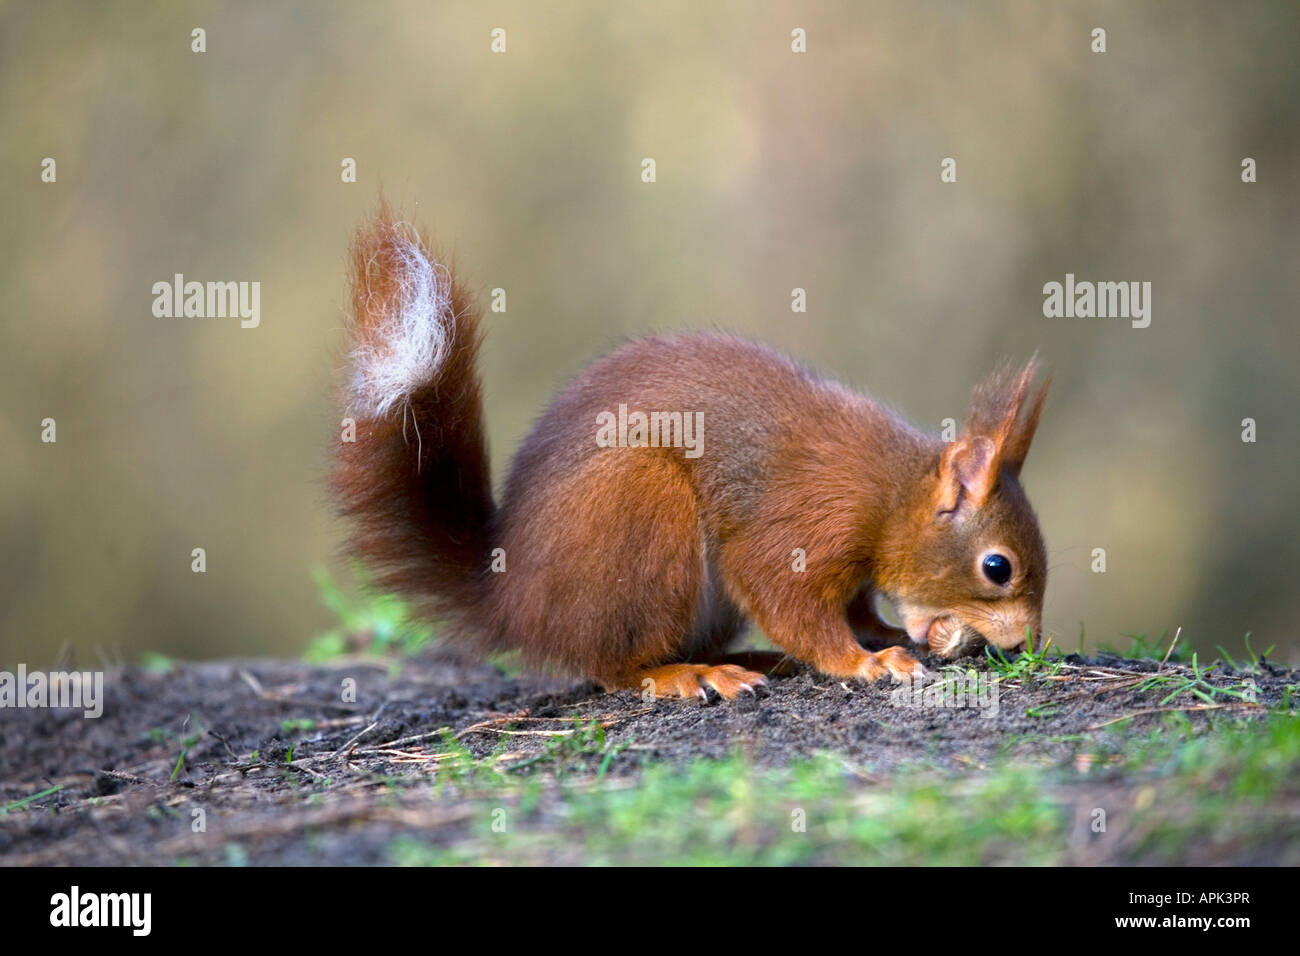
[[639, 567]]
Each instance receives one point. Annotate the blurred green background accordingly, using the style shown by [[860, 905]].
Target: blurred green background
[[775, 170]]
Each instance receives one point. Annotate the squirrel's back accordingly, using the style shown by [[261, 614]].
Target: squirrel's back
[[754, 405]]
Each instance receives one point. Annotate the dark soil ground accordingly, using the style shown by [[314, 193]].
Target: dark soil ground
[[285, 772]]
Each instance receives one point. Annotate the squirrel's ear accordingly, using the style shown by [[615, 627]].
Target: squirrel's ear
[[1002, 410], [968, 470], [1016, 446]]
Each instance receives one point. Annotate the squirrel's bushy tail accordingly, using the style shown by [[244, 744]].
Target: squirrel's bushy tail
[[415, 482]]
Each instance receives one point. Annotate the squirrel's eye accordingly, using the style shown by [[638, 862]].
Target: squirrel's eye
[[997, 568]]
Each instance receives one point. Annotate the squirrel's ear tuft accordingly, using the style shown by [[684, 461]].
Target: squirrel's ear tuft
[[1016, 447], [1003, 411]]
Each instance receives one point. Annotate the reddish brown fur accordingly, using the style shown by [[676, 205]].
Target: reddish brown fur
[[627, 564], [421, 505]]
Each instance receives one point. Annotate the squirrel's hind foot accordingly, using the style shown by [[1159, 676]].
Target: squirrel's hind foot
[[690, 680]]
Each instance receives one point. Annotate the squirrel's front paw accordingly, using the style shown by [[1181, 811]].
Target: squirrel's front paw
[[893, 661]]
